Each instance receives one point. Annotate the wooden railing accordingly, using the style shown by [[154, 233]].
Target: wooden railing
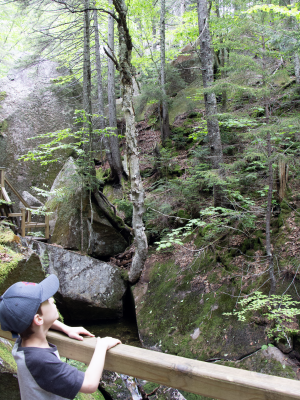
[[211, 380], [25, 214]]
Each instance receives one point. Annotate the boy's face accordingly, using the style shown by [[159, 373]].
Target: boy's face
[[49, 311]]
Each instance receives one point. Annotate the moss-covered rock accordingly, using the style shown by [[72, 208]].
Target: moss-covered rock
[[17, 263], [270, 361], [9, 387], [181, 312]]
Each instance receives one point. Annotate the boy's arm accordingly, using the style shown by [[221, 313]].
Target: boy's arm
[[72, 331], [94, 371]]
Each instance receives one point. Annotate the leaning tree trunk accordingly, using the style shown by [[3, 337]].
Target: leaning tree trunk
[[137, 190], [165, 126], [210, 98]]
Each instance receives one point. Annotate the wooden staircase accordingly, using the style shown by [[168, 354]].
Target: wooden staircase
[[6, 209]]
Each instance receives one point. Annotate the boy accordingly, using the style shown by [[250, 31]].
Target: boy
[[28, 309]]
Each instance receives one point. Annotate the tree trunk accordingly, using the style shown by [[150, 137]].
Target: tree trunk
[[100, 97], [283, 173], [268, 219], [137, 190], [210, 98], [271, 180], [297, 67], [116, 167], [87, 86], [165, 126]]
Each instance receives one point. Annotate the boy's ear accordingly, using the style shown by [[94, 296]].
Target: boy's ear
[[38, 320]]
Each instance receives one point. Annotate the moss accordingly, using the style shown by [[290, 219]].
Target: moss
[[3, 126], [12, 262], [254, 243], [7, 235], [3, 95], [8, 363]]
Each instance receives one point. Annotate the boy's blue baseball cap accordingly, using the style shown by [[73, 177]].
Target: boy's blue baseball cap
[[20, 302]]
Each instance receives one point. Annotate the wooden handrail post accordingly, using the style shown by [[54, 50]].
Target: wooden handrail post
[[29, 219], [23, 222]]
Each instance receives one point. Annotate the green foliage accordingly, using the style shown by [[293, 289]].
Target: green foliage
[[213, 220], [127, 207], [78, 143], [279, 311]]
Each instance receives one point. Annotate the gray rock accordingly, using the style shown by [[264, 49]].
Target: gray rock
[[76, 218], [31, 200], [89, 288]]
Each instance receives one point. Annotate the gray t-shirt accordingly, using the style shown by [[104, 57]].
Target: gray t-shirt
[[43, 376]]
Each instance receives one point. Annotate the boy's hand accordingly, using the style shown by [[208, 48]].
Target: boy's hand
[[107, 342], [74, 332]]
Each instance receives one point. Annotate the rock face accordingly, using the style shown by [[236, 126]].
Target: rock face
[[72, 221], [31, 107], [89, 288]]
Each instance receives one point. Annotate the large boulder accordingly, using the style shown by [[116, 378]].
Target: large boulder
[[89, 289], [31, 106], [77, 222]]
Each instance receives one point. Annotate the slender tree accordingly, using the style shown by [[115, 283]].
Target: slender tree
[[165, 126], [209, 97]]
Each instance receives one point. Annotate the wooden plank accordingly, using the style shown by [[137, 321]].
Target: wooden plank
[[15, 215], [35, 225], [198, 377], [17, 193]]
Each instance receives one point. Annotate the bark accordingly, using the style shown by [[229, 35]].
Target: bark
[[165, 126], [297, 67], [283, 171], [182, 8], [210, 98], [137, 190]]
